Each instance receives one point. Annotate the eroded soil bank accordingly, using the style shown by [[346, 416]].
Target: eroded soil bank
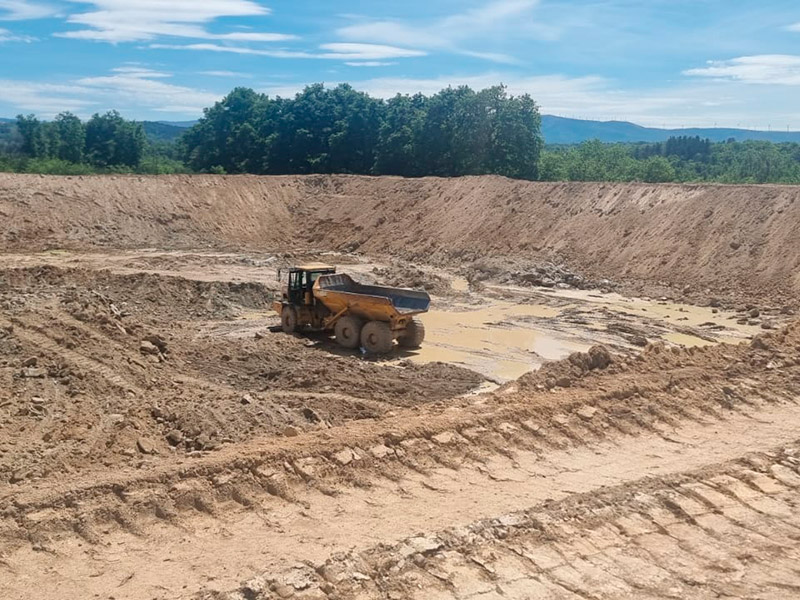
[[693, 241]]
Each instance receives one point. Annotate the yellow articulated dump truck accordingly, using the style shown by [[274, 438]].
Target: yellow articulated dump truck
[[369, 316]]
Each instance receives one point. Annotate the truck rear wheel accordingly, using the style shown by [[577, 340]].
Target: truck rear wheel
[[348, 332], [413, 335], [377, 338], [289, 319]]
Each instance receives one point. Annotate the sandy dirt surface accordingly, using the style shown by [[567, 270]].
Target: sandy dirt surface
[[557, 435]]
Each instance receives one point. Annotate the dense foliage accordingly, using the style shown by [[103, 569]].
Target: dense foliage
[[104, 141], [679, 159], [455, 132], [104, 144]]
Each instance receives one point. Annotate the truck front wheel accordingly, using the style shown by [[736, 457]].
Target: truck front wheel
[[377, 338], [289, 319], [348, 332]]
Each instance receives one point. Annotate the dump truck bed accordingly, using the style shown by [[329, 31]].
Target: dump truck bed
[[371, 302]]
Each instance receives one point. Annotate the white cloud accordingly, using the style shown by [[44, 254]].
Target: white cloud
[[244, 36], [137, 88], [342, 51], [137, 71], [128, 89], [488, 24], [795, 27], [497, 57], [19, 10], [44, 99], [370, 63], [9, 36], [781, 69], [353, 51], [144, 20], [224, 74]]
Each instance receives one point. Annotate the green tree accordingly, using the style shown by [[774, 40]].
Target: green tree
[[33, 138], [657, 169], [552, 167], [398, 147], [71, 136], [112, 141], [515, 141], [228, 135]]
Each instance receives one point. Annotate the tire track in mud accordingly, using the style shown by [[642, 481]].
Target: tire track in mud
[[447, 480], [271, 502], [37, 336], [499, 423], [726, 530]]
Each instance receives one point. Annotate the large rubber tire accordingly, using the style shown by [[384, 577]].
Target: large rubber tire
[[289, 319], [377, 338], [413, 336], [348, 332]]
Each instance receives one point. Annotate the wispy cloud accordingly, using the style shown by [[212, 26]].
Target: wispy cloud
[[370, 63], [138, 71], [19, 10], [781, 69], [44, 99], [224, 74], [144, 20], [126, 88], [456, 33], [335, 51], [794, 27], [9, 36]]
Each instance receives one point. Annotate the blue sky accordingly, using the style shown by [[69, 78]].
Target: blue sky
[[656, 62]]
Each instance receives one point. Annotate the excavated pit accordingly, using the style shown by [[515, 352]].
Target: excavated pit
[[606, 404]]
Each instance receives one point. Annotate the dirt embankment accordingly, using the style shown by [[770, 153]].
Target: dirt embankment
[[730, 240]]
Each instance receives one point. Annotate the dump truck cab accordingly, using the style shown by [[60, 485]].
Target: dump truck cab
[[298, 289], [298, 307]]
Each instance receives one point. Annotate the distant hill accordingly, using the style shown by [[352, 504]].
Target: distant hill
[[560, 130], [161, 131], [183, 124]]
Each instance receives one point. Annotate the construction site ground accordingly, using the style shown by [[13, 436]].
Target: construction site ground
[[569, 429]]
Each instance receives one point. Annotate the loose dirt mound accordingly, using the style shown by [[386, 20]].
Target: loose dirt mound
[[148, 295], [731, 239]]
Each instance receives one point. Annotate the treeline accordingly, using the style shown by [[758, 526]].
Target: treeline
[[105, 143], [457, 131], [679, 159]]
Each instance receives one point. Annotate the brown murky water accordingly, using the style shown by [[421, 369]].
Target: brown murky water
[[505, 338], [500, 341]]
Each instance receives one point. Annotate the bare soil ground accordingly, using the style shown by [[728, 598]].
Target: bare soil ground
[[159, 440]]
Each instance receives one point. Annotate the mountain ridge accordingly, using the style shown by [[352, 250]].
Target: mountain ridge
[[563, 130]]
